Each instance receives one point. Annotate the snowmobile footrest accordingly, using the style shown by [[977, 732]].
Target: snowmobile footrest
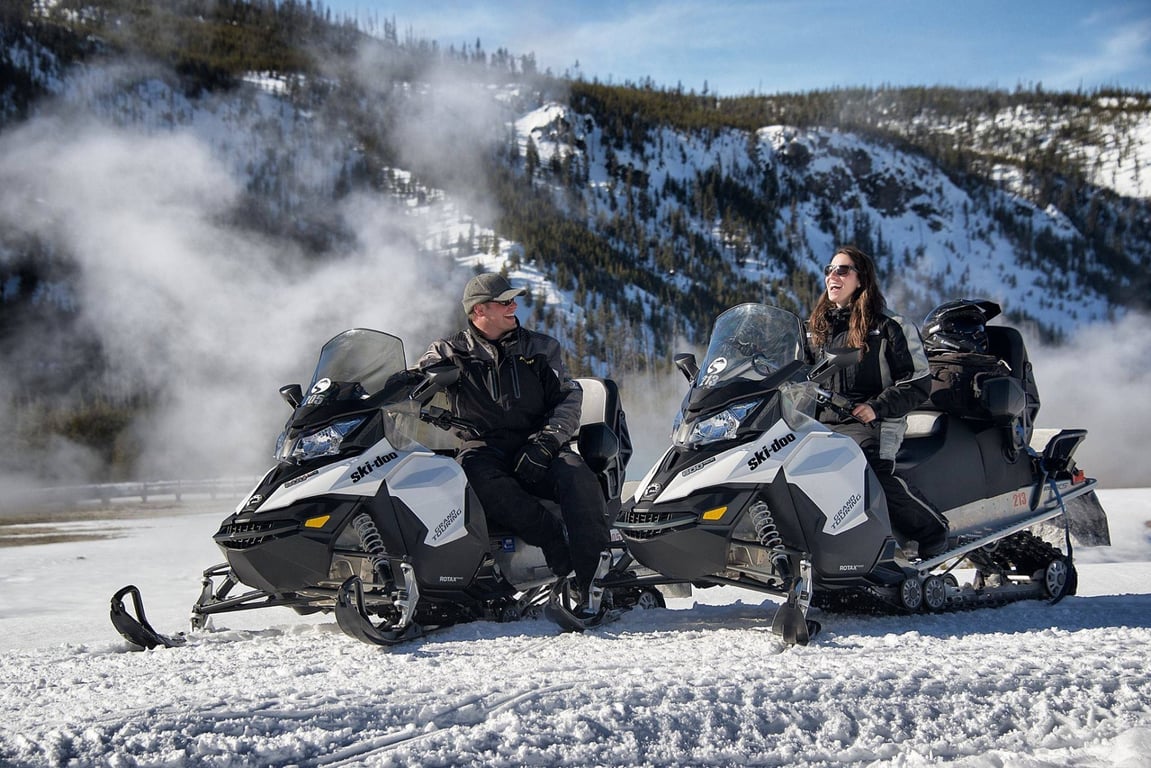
[[136, 629]]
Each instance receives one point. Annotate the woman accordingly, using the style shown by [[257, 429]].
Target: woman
[[891, 379]]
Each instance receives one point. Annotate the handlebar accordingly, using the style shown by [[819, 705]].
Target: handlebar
[[836, 402], [441, 418]]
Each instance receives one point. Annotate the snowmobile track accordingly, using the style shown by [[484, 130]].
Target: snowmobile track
[[471, 712]]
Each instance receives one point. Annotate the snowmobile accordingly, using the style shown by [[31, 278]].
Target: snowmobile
[[368, 515], [756, 493]]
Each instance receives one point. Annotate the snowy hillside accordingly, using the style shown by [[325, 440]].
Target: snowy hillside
[[934, 240], [703, 683]]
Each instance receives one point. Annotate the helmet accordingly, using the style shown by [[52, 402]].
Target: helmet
[[958, 326]]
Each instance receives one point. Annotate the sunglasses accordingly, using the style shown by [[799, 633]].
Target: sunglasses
[[506, 303], [839, 269]]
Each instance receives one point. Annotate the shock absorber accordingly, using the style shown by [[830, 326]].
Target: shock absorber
[[767, 532], [373, 544], [765, 528]]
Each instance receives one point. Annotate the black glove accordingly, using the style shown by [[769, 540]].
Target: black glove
[[533, 460]]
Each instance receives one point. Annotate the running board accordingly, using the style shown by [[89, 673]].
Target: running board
[[1054, 509]]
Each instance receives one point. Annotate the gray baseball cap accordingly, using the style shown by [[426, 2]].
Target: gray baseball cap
[[489, 287]]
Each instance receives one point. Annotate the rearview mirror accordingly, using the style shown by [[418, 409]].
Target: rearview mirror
[[687, 365], [293, 394], [834, 360], [436, 377]]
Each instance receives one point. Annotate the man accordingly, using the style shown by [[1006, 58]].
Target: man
[[522, 409]]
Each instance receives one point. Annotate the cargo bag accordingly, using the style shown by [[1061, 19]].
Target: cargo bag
[[958, 379]]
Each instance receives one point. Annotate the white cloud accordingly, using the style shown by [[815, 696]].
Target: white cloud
[[1120, 51]]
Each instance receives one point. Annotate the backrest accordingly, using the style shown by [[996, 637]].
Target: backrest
[[923, 424], [596, 399], [601, 404], [1006, 343]]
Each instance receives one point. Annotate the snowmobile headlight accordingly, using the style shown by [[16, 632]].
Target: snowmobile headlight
[[325, 441], [722, 426]]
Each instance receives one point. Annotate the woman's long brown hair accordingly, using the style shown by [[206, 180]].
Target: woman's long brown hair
[[866, 304]]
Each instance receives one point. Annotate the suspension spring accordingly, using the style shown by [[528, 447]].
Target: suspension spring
[[765, 528], [373, 543]]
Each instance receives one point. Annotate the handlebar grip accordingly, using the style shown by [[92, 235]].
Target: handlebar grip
[[837, 402]]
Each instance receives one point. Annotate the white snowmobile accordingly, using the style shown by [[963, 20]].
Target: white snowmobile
[[367, 513], [756, 493]]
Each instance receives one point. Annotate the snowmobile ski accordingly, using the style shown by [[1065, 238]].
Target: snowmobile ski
[[566, 606], [354, 621], [137, 629], [790, 621], [565, 609]]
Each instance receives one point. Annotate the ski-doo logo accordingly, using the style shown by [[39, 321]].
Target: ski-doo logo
[[446, 523], [367, 468], [845, 510], [763, 453]]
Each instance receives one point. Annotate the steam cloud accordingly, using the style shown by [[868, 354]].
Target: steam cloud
[[1100, 381], [213, 319]]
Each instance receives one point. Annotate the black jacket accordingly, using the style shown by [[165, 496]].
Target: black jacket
[[893, 377], [511, 388]]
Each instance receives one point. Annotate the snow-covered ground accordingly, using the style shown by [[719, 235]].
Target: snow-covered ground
[[1029, 685]]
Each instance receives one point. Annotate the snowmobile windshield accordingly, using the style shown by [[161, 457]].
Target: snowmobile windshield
[[754, 349], [365, 357], [749, 343], [353, 367]]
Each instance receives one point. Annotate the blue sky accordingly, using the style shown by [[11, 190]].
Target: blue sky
[[771, 46]]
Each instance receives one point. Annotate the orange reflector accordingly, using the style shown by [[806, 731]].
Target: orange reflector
[[317, 522], [714, 514]]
